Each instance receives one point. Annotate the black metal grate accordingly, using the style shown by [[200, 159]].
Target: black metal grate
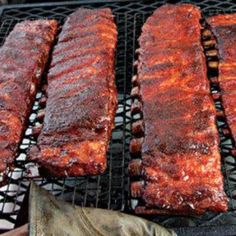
[[110, 190]]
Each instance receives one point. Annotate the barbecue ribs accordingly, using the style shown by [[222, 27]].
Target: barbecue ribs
[[224, 29], [22, 57], [181, 163], [82, 98]]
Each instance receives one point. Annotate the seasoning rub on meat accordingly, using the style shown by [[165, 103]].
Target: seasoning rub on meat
[[22, 57], [181, 164], [82, 98]]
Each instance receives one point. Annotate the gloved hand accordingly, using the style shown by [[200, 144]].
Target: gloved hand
[[49, 216]]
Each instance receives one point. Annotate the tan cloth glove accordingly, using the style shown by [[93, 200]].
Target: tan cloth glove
[[49, 216]]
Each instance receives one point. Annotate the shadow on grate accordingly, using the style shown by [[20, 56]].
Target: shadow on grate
[[110, 190]]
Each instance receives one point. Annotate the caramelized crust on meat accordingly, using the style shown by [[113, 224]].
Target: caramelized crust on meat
[[82, 97], [224, 29], [22, 57], [181, 163]]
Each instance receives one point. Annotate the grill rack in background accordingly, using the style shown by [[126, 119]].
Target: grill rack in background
[[110, 190]]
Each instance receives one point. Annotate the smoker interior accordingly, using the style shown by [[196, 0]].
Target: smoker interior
[[110, 190]]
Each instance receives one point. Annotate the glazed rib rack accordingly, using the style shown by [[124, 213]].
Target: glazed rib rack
[[110, 190], [226, 143], [177, 135], [20, 79], [81, 97], [223, 39]]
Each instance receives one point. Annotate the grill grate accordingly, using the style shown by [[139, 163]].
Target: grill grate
[[110, 190]]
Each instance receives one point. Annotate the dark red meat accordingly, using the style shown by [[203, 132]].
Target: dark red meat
[[82, 97], [224, 29], [181, 163], [22, 57]]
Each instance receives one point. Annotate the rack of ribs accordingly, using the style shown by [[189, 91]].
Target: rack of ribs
[[22, 57], [224, 29], [177, 137], [81, 97]]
